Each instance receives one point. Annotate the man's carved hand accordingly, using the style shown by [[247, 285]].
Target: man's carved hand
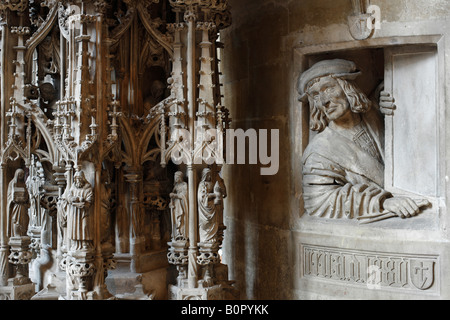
[[403, 207], [387, 105]]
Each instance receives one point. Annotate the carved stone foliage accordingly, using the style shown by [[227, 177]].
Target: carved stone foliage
[[208, 222]]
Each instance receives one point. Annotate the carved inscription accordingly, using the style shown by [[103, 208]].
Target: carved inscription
[[371, 269]]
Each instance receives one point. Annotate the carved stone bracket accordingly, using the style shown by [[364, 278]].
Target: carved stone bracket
[[82, 271], [20, 256], [178, 256], [20, 253], [208, 256], [109, 264]]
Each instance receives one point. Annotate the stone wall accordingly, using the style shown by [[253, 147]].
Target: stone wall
[[268, 238]]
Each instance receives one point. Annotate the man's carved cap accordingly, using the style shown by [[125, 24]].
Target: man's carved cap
[[338, 67]]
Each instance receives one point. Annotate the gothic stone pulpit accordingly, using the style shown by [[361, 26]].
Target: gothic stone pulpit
[[352, 242]]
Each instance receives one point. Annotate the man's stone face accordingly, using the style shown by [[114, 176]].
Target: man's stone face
[[79, 182], [329, 98]]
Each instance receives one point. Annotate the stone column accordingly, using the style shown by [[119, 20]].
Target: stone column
[[136, 239], [122, 236], [178, 256], [192, 253], [4, 249], [80, 229], [20, 256], [82, 270], [60, 179], [208, 257]]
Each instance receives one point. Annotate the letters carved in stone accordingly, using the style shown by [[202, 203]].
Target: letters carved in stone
[[373, 270]]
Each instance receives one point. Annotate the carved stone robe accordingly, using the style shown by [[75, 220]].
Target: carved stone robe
[[179, 206], [79, 220], [208, 224], [342, 177], [17, 205]]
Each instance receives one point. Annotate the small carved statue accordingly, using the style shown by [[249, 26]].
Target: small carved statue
[[18, 204], [343, 166], [220, 191], [79, 218], [179, 206], [208, 222]]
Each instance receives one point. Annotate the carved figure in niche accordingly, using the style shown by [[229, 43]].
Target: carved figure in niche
[[79, 218], [49, 55], [179, 203], [17, 205], [105, 215], [220, 190], [343, 166], [157, 94], [207, 215]]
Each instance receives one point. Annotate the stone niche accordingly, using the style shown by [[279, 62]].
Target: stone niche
[[393, 258]]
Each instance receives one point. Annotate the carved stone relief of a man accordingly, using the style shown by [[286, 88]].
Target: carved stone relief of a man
[[105, 216], [343, 166], [79, 217], [18, 204]]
